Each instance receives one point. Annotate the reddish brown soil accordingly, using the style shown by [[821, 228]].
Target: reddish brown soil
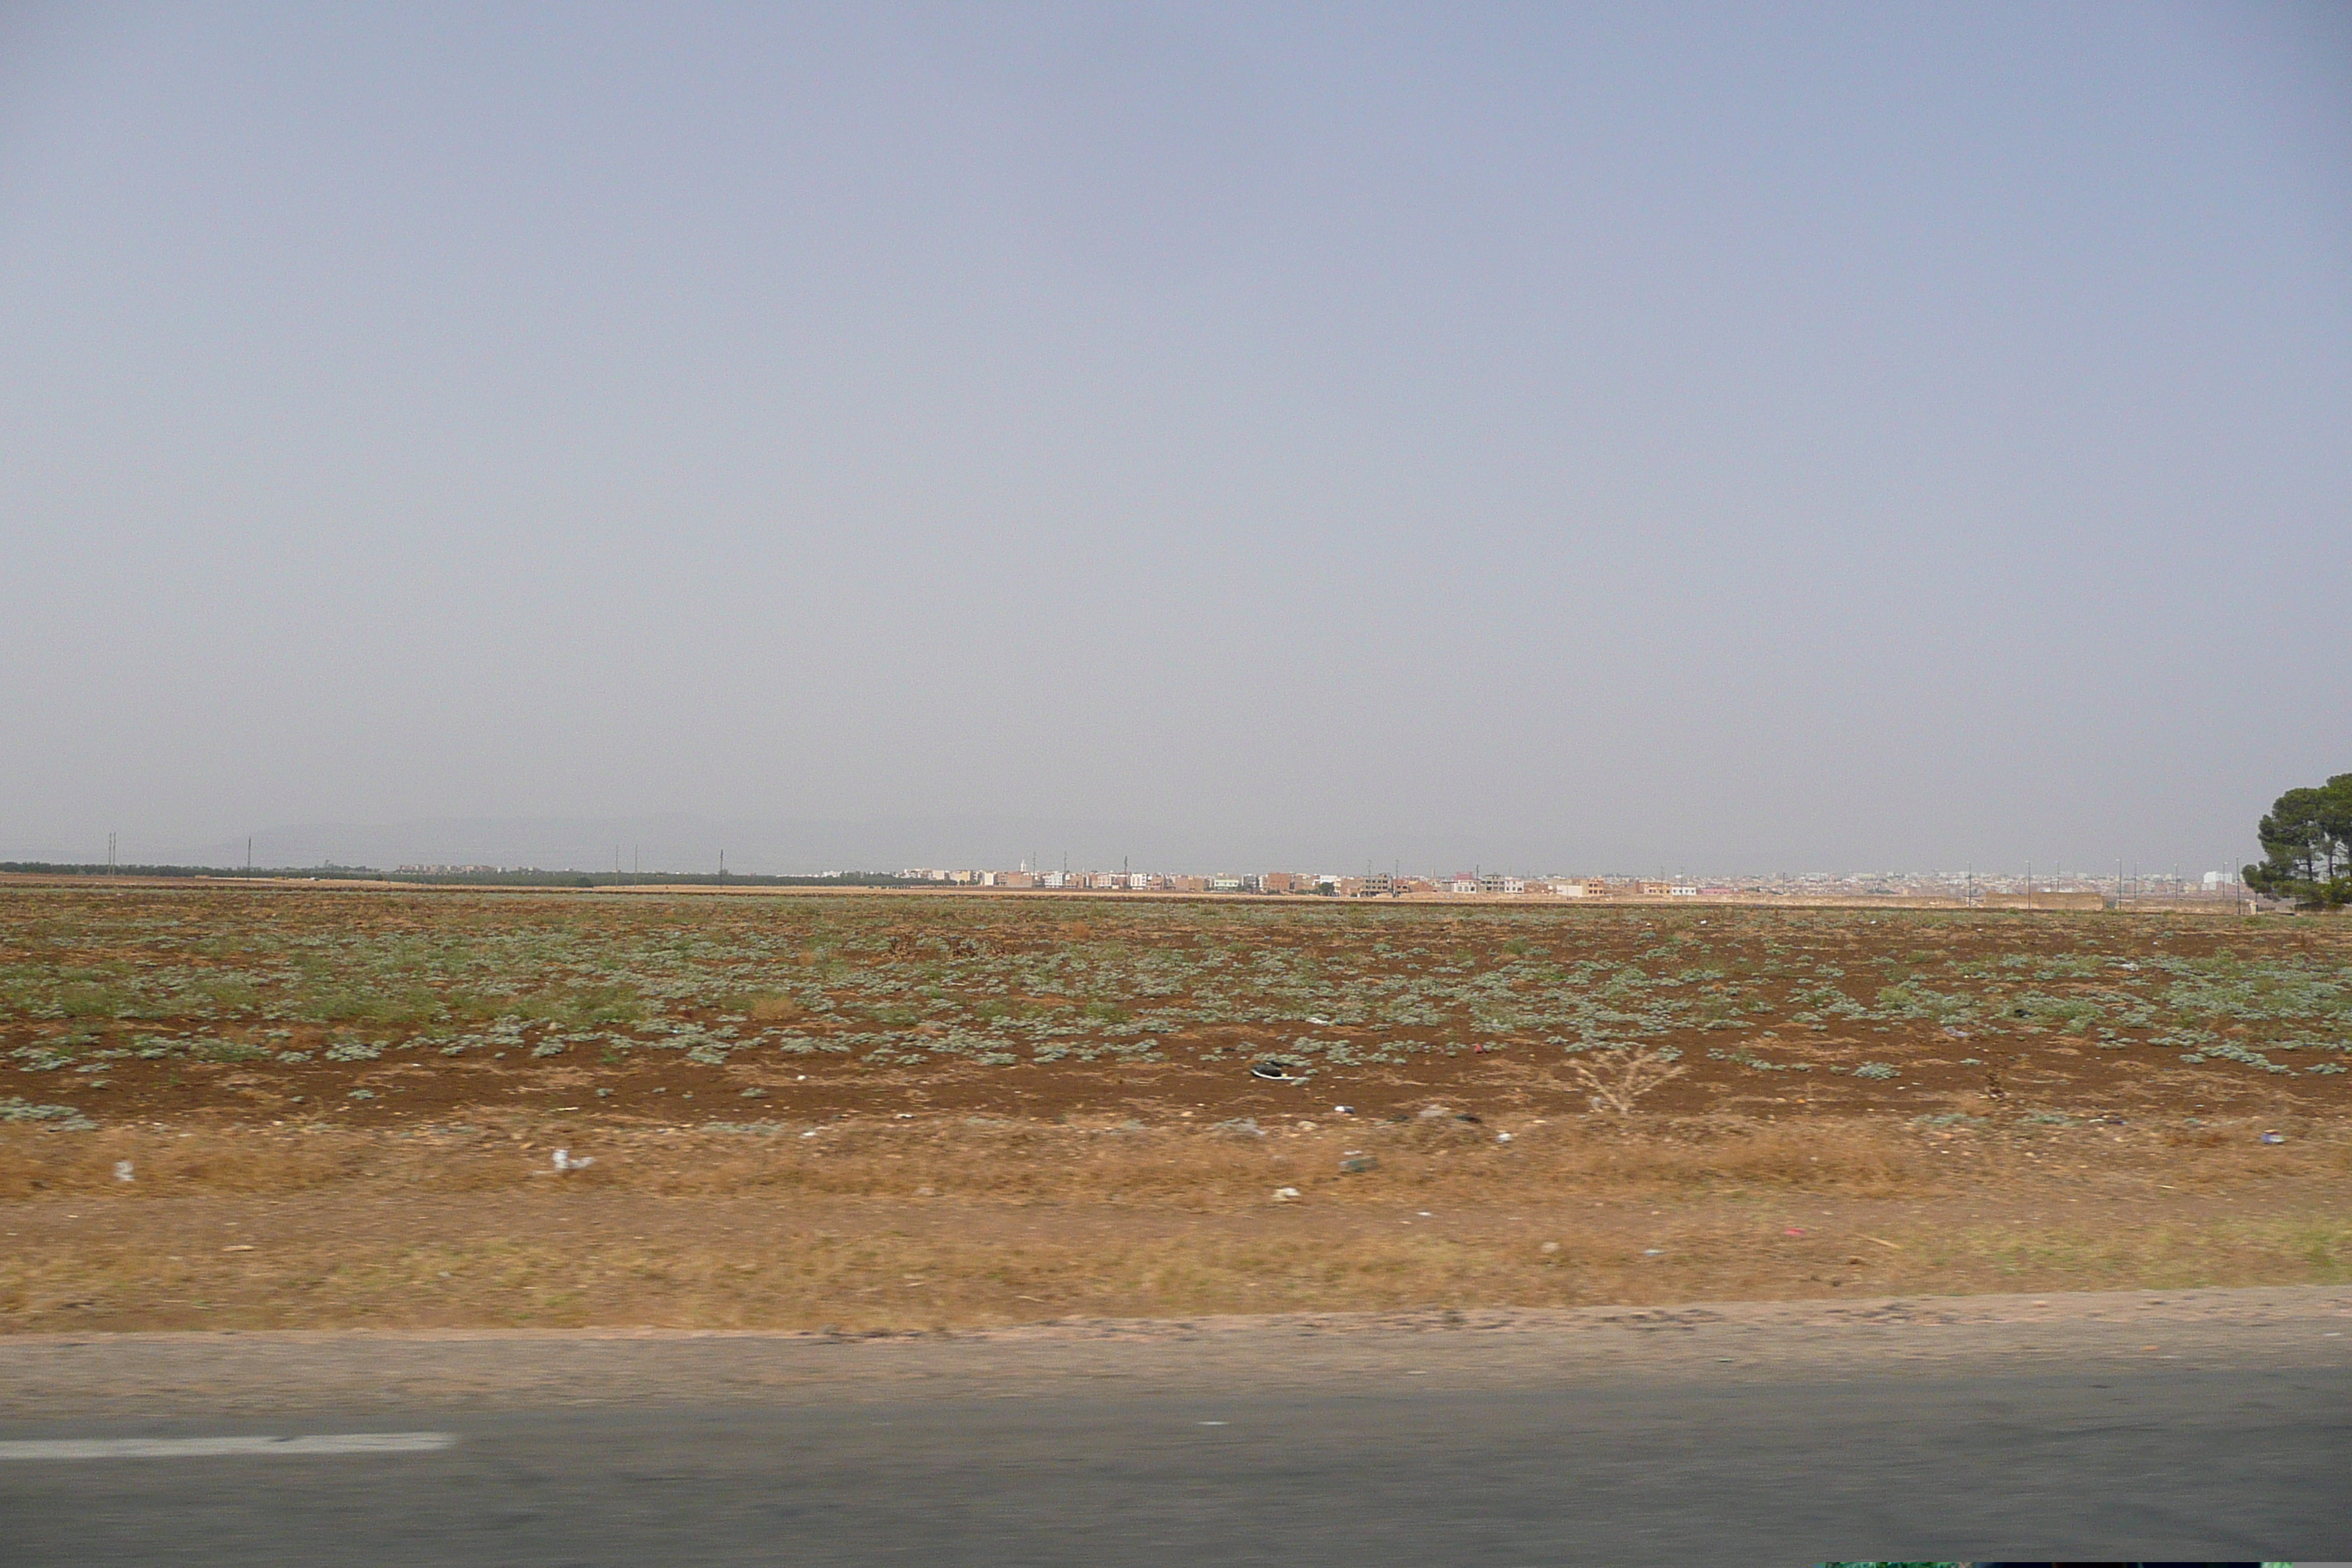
[[316, 963]]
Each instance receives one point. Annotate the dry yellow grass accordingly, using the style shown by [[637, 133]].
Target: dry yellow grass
[[640, 1265], [943, 1224], [1183, 1168]]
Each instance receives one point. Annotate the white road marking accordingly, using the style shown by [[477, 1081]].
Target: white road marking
[[215, 1448]]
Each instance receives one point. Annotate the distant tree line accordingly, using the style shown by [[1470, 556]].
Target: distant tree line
[[2306, 843]]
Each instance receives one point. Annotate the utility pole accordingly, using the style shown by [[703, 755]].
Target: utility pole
[[2119, 884], [2029, 884], [110, 852], [249, 857]]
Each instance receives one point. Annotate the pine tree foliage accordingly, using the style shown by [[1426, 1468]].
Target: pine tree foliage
[[2307, 846]]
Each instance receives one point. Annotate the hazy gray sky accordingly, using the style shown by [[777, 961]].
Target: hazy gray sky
[[1555, 437]]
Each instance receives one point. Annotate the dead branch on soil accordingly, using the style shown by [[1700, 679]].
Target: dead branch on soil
[[1634, 1074]]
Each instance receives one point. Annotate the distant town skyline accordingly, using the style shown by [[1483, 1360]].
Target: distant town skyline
[[684, 846]]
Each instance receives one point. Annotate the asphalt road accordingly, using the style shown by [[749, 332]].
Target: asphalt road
[[2016, 1461]]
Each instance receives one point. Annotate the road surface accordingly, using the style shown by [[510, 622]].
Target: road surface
[[1755, 1441]]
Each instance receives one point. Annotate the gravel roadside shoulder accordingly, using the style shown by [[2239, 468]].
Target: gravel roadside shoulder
[[178, 1376]]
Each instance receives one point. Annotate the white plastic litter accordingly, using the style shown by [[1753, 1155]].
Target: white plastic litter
[[565, 1162]]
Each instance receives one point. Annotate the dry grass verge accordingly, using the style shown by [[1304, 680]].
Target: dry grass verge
[[923, 1224], [1181, 1167]]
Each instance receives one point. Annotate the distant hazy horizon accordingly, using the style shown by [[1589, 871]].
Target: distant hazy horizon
[[1716, 438], [682, 844]]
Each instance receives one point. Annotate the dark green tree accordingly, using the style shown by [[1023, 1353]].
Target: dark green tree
[[2307, 846]]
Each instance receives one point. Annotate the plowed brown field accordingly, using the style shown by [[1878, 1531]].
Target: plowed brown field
[[253, 1108], [383, 1009]]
